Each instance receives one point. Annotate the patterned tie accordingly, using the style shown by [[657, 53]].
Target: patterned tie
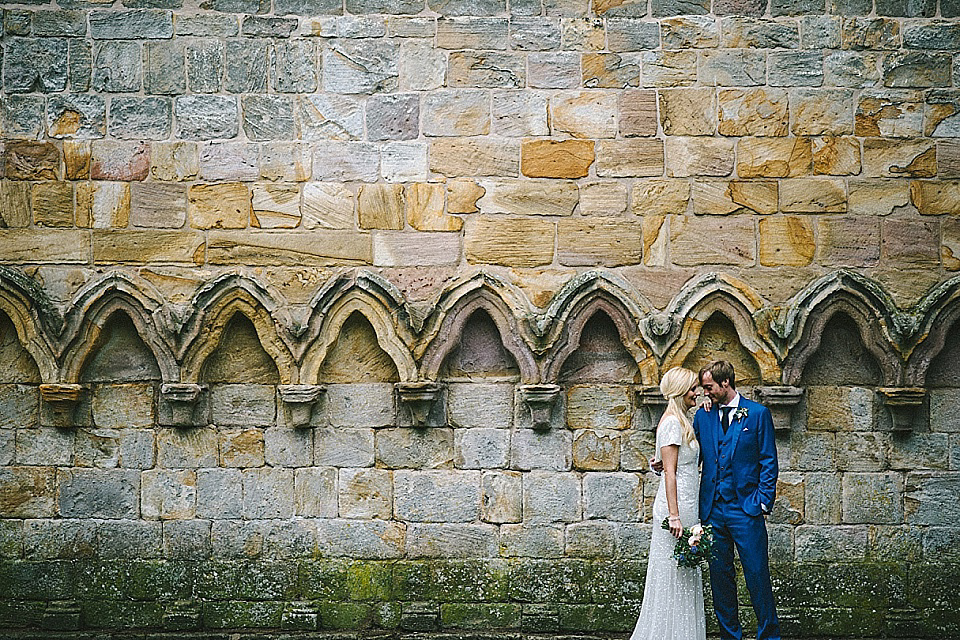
[[725, 417]]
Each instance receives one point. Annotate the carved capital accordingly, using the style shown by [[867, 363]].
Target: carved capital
[[540, 400], [298, 402], [420, 401], [781, 400], [904, 404], [60, 401], [651, 404], [180, 404]]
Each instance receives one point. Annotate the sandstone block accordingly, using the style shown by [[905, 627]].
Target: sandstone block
[[599, 407], [690, 32], [733, 68], [734, 245], [85, 117], [419, 449], [360, 66], [241, 447], [293, 66], [920, 69], [187, 449], [360, 405], [48, 539], [168, 494], [174, 161], [752, 112], [560, 70], [119, 160], [795, 68], [219, 206], [35, 63], [696, 156], [822, 112], [207, 24], [468, 69], [462, 195], [924, 498], [920, 451], [513, 242], [19, 407], [186, 539], [52, 204], [366, 493], [381, 206], [584, 114], [44, 446], [452, 541], [424, 208], [422, 67], [267, 118], [822, 498], [123, 406], [580, 33], [328, 206], [899, 158], [889, 113], [76, 159], [950, 250], [735, 196], [603, 198], [315, 492], [98, 493], [583, 242], [393, 117], [129, 539], [268, 493], [472, 33], [24, 160], [774, 157], [339, 447], [786, 241], [500, 497], [813, 196], [517, 114], [669, 69], [836, 156], [229, 161], [632, 34], [942, 114], [375, 539], [205, 66], [219, 493], [530, 197], [753, 33], [395, 249], [330, 117], [164, 71], [147, 246], [131, 25], [840, 409], [914, 243], [28, 492], [612, 496], [551, 451], [557, 158], [856, 69], [629, 158], [591, 539], [596, 450], [404, 162], [480, 405], [534, 34], [551, 497], [535, 541], [43, 246], [275, 206], [286, 447], [848, 241], [688, 111], [205, 117], [110, 204], [474, 157], [660, 197], [610, 70], [481, 448], [935, 197], [825, 544], [437, 496]]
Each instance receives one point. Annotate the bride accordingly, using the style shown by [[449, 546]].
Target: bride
[[673, 596]]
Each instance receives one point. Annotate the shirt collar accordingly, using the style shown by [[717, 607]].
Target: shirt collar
[[733, 404]]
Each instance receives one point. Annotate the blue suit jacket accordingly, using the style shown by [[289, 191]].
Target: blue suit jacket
[[755, 466]]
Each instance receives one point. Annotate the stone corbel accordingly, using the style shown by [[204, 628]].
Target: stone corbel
[[652, 405], [61, 401], [298, 402], [540, 400], [781, 400], [903, 405], [420, 402], [180, 404]]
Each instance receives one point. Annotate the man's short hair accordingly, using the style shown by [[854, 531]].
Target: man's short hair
[[720, 370]]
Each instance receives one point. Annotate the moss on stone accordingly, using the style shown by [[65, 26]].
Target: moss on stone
[[324, 580], [242, 614], [345, 615], [479, 616], [370, 581]]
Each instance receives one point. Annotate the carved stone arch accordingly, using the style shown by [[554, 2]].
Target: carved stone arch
[[717, 298], [95, 306], [33, 317], [861, 300], [506, 306], [577, 304], [215, 305], [937, 314]]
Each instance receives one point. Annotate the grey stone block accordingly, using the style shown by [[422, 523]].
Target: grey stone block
[[243, 404], [452, 541], [427, 448], [205, 67], [519, 114], [679, 7], [63, 23], [896, 543], [481, 448], [268, 27], [613, 496], [852, 69], [308, 7], [595, 450], [633, 540], [117, 67], [140, 118], [167, 494], [22, 117], [820, 32], [206, 117], [365, 493], [822, 498], [45, 446], [919, 69], [796, 68], [862, 451], [422, 67], [286, 447], [246, 66], [17, 22], [536, 34], [364, 67], [813, 452], [268, 493], [550, 450], [219, 493], [293, 67], [531, 541], [636, 448], [209, 25], [551, 497], [186, 539], [129, 539], [393, 117], [397, 7], [478, 404], [501, 495], [375, 539], [97, 448], [553, 70], [98, 493], [781, 547], [437, 496], [850, 7], [830, 544], [872, 498], [241, 447], [930, 498], [164, 70], [80, 65], [796, 7], [945, 410], [268, 118], [339, 447], [415, 27], [591, 539], [230, 161], [123, 405], [239, 538], [733, 68], [315, 492], [139, 24], [290, 539], [360, 404], [8, 445], [631, 34], [941, 544], [61, 538], [237, 6], [911, 8], [137, 448], [31, 64], [916, 451], [361, 27], [34, 491], [330, 117], [19, 405]]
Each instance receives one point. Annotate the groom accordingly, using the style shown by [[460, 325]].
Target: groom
[[737, 488]]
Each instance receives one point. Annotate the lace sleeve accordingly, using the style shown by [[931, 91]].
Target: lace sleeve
[[669, 432]]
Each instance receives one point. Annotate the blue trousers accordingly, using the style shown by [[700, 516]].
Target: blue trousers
[[731, 526]]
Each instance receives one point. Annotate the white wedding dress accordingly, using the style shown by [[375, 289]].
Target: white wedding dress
[[672, 606]]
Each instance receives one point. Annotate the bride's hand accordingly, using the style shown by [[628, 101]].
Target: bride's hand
[[707, 403], [676, 527]]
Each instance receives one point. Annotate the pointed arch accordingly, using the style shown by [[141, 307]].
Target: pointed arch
[[94, 307], [864, 301], [215, 305], [379, 302], [35, 319], [577, 303], [718, 295], [935, 315], [507, 308]]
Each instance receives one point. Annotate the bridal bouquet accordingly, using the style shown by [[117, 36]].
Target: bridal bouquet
[[694, 545]]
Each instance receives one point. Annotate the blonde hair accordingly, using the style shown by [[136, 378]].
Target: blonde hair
[[674, 385]]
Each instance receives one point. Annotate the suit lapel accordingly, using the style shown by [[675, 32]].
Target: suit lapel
[[740, 424]]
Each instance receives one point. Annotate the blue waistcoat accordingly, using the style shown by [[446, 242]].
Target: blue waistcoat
[[726, 486]]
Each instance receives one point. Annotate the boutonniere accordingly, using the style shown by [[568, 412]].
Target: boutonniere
[[739, 414]]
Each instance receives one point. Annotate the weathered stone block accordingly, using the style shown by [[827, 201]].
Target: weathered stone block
[[275, 206], [168, 494], [346, 161], [660, 197], [53, 246], [926, 499], [820, 32], [899, 158], [129, 539], [140, 118], [147, 246], [916, 451], [219, 493], [517, 114], [822, 112], [852, 69], [186, 539], [381, 206], [480, 448], [437, 496], [293, 66], [474, 157], [193, 448], [365, 493], [393, 117], [872, 498], [117, 67], [126, 161], [219, 206], [98, 493], [733, 68], [604, 198], [205, 65], [836, 156], [360, 66], [840, 408], [76, 116], [483, 405], [613, 496], [591, 539], [942, 114], [52, 204], [848, 241], [240, 447], [916, 69], [735, 196], [452, 541], [610, 70], [536, 541], [229, 161], [35, 64], [913, 243], [123, 406], [698, 156], [472, 33], [530, 197], [422, 67], [935, 198], [825, 544], [330, 117], [629, 158], [500, 497], [556, 158], [268, 493], [786, 241], [559, 70], [889, 113], [456, 113], [599, 407], [551, 497], [813, 196], [28, 492], [551, 450], [205, 117], [44, 446], [688, 111], [774, 157], [22, 117], [268, 118], [315, 492], [404, 161], [510, 241], [735, 240], [327, 205], [415, 448], [131, 25], [862, 451], [24, 160], [324, 248], [752, 112]]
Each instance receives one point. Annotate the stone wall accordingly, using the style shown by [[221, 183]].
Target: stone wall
[[348, 315]]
